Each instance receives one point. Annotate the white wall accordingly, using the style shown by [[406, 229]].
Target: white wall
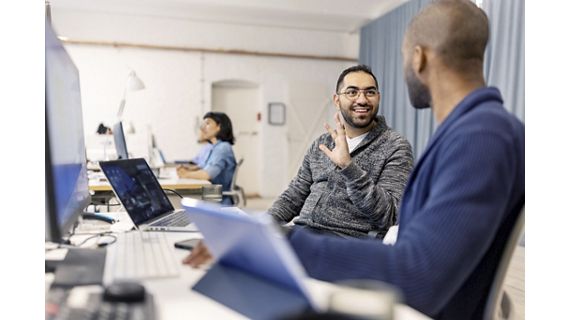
[[178, 84], [179, 32], [241, 101]]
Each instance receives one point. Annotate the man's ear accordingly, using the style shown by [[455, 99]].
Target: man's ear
[[336, 101], [419, 60]]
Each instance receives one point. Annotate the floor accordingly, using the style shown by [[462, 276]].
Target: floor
[[514, 282]]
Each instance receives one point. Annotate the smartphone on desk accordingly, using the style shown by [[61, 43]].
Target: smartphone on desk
[[187, 244]]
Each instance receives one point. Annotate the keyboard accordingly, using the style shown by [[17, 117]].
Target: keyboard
[[87, 303], [179, 219], [139, 255]]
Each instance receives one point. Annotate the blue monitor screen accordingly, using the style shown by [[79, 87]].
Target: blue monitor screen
[[67, 188]]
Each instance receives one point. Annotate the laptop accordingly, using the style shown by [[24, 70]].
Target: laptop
[[141, 195], [251, 243]]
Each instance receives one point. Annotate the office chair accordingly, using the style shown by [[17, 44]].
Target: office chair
[[236, 192], [499, 304]]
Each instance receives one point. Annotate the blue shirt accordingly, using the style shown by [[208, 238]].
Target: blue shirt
[[220, 166], [202, 156], [459, 207]]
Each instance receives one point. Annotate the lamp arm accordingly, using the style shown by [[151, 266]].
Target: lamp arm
[[122, 104], [121, 108]]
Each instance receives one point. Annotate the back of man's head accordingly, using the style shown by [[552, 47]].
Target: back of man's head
[[456, 30]]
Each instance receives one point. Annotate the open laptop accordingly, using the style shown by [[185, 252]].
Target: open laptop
[[141, 195], [252, 243]]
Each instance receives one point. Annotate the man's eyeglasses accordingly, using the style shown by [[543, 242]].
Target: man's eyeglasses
[[353, 93]]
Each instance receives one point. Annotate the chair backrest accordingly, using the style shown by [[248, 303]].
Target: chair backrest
[[234, 177], [495, 298]]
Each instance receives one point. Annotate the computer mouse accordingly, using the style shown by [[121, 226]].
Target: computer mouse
[[124, 291]]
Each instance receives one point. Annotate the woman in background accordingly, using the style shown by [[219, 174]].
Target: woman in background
[[221, 163]]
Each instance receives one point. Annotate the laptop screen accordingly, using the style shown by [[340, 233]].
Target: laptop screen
[[137, 188]]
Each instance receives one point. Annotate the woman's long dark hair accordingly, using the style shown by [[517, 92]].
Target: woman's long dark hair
[[226, 132]]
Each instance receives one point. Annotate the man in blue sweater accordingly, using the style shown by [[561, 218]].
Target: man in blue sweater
[[466, 191]]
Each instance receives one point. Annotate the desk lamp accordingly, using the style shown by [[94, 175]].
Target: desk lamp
[[133, 83]]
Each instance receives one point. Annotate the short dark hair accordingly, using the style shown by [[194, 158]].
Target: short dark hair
[[457, 30], [358, 68], [226, 131]]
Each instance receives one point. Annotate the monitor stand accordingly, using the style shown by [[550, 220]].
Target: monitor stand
[[80, 267]]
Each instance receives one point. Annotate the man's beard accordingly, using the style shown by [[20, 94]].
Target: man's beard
[[418, 93], [348, 119]]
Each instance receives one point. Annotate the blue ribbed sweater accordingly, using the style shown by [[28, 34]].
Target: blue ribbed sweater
[[461, 202]]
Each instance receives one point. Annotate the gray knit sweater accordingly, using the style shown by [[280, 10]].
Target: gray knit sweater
[[360, 198]]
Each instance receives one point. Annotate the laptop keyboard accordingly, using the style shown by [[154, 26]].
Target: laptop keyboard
[[179, 219], [142, 255]]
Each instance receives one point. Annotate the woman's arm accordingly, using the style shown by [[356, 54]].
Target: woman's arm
[[184, 172]]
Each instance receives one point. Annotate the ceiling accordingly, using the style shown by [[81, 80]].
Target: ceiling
[[324, 15]]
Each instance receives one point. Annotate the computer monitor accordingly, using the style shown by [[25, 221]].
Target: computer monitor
[[66, 182], [120, 141]]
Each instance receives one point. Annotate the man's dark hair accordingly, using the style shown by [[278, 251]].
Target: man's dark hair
[[358, 68], [226, 131]]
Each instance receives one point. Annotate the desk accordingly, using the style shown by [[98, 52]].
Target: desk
[[171, 183], [168, 180], [102, 191], [176, 300]]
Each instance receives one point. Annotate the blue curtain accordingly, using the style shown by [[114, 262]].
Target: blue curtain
[[380, 47], [380, 44], [504, 59]]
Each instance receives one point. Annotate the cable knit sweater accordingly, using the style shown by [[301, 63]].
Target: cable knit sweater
[[362, 197]]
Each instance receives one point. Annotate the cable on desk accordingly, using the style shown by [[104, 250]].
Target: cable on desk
[[107, 204], [99, 235], [176, 193]]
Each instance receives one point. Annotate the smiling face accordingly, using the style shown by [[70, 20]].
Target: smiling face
[[209, 130], [360, 111]]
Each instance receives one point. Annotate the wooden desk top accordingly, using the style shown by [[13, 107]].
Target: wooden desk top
[[175, 184], [98, 182]]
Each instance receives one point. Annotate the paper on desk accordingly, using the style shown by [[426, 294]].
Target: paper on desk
[[56, 254], [124, 222], [93, 228]]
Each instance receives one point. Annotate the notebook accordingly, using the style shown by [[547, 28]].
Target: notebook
[[252, 243], [141, 195]]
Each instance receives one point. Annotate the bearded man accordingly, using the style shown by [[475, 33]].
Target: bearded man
[[362, 198]]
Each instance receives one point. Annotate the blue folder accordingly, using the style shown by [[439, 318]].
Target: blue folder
[[251, 244], [250, 295]]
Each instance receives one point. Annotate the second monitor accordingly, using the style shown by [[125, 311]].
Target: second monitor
[[120, 141]]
